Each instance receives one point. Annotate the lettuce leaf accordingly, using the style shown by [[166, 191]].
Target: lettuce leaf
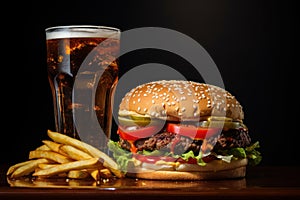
[[190, 154], [124, 158], [250, 152], [253, 155]]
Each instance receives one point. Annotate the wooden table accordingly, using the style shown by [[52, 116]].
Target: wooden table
[[261, 182]]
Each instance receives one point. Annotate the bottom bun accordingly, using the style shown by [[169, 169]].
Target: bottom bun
[[213, 170]]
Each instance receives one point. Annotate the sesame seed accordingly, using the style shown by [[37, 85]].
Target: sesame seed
[[183, 98]]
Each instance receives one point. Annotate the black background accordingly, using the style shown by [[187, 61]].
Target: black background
[[253, 43]]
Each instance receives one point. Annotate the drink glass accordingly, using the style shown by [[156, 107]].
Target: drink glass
[[82, 64]]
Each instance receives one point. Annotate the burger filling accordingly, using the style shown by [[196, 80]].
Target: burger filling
[[193, 143], [176, 143]]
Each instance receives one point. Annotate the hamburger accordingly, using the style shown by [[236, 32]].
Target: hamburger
[[182, 130]]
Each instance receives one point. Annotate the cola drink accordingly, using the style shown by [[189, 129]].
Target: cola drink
[[83, 69]]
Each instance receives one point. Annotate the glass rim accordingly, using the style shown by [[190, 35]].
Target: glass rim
[[62, 27], [81, 31]]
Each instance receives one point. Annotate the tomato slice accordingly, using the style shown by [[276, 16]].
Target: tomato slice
[[193, 132], [135, 133]]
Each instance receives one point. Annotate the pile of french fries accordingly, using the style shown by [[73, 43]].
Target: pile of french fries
[[63, 156]]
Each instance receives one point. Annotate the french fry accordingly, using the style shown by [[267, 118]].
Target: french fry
[[105, 173], [95, 174], [93, 151], [28, 168], [75, 153], [79, 183], [49, 155], [43, 147], [37, 169], [78, 174], [65, 167], [54, 146], [64, 156], [46, 165], [12, 168]]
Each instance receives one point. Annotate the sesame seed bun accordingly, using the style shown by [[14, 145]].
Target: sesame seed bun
[[217, 169], [179, 100]]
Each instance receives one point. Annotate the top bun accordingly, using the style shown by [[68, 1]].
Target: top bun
[[180, 100]]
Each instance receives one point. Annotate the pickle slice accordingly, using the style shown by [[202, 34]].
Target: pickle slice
[[219, 118], [138, 121], [124, 121], [139, 118], [226, 124]]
